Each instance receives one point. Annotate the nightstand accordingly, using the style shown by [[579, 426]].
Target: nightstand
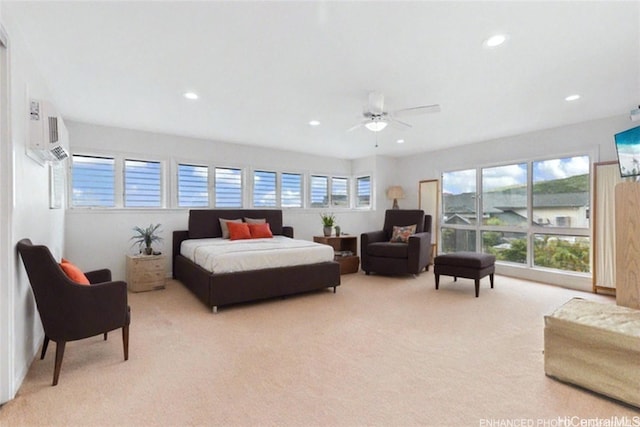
[[145, 272], [346, 249]]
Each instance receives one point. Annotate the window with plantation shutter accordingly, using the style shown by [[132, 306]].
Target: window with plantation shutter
[[291, 190], [363, 192], [339, 193], [142, 184], [319, 191], [92, 181], [193, 186], [228, 187], [264, 189]]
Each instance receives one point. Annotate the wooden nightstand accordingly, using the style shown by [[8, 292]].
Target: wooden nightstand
[[145, 272], [342, 245]]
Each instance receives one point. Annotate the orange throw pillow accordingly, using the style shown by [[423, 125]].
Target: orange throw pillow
[[73, 272], [259, 231], [238, 230]]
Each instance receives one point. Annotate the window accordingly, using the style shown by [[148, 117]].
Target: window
[[363, 191], [561, 192], [459, 197], [291, 190], [142, 184], [193, 186], [93, 181], [535, 214], [319, 191], [339, 193], [504, 195], [264, 189], [228, 188]]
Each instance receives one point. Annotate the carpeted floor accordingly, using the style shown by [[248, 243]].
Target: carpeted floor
[[381, 351]]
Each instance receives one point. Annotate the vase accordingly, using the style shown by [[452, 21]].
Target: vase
[[326, 231], [148, 251], [337, 227]]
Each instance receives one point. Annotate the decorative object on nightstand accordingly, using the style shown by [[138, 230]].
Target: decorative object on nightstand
[[395, 192], [145, 237], [328, 220], [345, 250], [145, 272], [337, 228]]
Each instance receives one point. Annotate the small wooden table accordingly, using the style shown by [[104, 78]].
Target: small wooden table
[[145, 272], [346, 249]]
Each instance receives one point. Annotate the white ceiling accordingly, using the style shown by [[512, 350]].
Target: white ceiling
[[264, 69]]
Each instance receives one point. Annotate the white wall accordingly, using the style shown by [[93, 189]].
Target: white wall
[[99, 238], [594, 138], [29, 212]]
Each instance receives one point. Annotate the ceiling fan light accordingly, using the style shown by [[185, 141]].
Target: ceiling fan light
[[376, 125]]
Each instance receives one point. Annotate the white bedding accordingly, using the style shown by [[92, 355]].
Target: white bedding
[[220, 255]]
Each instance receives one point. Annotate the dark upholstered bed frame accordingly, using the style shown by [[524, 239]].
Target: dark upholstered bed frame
[[229, 288]]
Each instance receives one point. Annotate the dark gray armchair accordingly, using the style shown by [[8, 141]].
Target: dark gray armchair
[[70, 311], [379, 255]]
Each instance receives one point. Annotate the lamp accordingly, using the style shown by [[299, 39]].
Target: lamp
[[376, 124], [395, 192]]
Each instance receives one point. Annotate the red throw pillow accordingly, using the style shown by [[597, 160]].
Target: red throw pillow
[[260, 231], [238, 230], [73, 272]]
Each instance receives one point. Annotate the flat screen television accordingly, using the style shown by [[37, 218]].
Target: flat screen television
[[628, 148]]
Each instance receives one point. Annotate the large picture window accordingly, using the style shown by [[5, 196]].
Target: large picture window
[[534, 214]]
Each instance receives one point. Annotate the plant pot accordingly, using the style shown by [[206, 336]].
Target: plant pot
[[326, 231], [148, 251]]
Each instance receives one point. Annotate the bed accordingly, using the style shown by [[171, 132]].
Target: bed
[[230, 285]]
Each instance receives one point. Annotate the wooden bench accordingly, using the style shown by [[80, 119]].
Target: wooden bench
[[595, 346]]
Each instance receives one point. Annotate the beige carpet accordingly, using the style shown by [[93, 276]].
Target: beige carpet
[[381, 351]]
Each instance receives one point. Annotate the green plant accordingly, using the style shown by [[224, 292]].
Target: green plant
[[145, 237], [328, 219]]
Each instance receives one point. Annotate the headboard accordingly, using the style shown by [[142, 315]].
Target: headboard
[[204, 223]]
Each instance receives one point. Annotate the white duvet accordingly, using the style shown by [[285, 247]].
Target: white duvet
[[220, 255]]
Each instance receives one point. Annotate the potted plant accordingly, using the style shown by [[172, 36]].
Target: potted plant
[[327, 221], [144, 237]]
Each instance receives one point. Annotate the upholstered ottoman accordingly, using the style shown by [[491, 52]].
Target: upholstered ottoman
[[470, 265], [595, 346]]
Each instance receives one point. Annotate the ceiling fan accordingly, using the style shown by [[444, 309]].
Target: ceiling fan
[[376, 118]]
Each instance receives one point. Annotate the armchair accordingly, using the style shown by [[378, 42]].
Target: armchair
[[70, 311], [380, 255]]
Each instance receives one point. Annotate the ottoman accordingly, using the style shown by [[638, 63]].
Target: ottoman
[[470, 265], [595, 346]]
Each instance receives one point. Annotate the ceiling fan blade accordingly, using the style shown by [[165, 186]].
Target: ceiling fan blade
[[376, 103], [398, 124], [423, 109], [358, 126]]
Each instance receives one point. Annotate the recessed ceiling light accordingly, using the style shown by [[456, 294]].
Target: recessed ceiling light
[[190, 95], [400, 141], [495, 40], [314, 123], [574, 97]]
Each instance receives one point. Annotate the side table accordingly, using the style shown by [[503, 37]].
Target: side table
[[345, 249], [145, 272]]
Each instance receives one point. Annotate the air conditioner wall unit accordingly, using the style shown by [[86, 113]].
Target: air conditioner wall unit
[[48, 136]]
